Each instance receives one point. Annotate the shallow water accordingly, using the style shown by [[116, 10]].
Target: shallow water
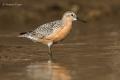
[[93, 56]]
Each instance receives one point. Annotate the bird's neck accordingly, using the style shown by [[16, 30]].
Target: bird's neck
[[67, 22]]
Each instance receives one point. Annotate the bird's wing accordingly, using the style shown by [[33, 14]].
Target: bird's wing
[[47, 29]]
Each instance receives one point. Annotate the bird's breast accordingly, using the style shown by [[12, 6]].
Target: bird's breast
[[60, 33], [63, 33]]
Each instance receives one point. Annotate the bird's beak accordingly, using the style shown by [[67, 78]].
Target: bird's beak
[[84, 21], [75, 19]]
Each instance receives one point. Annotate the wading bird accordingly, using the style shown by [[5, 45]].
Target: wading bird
[[52, 32]]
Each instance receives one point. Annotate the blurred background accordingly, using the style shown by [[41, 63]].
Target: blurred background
[[90, 52], [24, 15]]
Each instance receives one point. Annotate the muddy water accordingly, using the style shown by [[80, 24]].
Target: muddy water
[[93, 53]]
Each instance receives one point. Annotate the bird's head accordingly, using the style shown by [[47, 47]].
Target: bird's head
[[69, 15]]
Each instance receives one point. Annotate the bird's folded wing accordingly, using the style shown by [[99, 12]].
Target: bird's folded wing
[[47, 29]]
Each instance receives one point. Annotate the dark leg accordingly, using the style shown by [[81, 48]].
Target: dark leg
[[50, 53]]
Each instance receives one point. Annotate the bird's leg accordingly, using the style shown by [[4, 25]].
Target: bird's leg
[[50, 52]]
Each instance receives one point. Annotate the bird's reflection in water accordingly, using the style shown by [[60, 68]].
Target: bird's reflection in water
[[47, 71]]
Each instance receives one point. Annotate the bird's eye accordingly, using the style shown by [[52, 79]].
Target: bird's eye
[[72, 15]]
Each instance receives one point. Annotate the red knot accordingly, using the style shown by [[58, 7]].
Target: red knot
[[52, 32]]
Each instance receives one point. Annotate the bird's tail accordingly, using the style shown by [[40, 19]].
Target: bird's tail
[[28, 35], [23, 34]]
